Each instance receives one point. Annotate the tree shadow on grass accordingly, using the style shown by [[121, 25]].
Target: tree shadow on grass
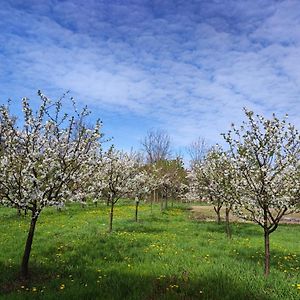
[[237, 229], [11, 281], [128, 285], [122, 285], [81, 279], [279, 260]]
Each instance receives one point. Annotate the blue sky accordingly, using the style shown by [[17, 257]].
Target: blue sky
[[184, 66]]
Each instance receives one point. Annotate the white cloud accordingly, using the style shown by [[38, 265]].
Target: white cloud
[[191, 66]]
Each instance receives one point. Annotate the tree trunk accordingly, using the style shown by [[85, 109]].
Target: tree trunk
[[228, 229], [151, 204], [26, 255], [111, 216], [267, 252], [136, 210], [217, 210], [152, 199], [166, 201], [267, 242]]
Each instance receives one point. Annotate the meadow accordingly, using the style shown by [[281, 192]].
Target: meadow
[[166, 255]]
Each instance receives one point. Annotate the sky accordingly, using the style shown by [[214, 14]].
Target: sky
[[187, 67]]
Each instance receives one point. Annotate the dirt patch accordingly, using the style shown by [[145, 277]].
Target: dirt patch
[[207, 213]]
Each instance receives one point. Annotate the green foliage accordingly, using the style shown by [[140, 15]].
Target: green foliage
[[164, 256]]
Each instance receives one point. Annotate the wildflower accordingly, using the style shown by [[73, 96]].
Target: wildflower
[[62, 286]]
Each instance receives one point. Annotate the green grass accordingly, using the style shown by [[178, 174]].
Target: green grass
[[164, 256]]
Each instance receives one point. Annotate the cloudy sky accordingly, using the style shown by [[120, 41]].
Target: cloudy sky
[[184, 66]]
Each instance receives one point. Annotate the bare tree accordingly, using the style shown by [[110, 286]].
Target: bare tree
[[156, 145], [138, 156], [197, 150]]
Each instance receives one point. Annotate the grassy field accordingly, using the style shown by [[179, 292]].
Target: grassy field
[[164, 256]]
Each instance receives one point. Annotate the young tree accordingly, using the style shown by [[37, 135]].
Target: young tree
[[194, 191], [154, 182], [170, 176], [205, 184], [265, 154], [175, 177], [43, 162], [141, 187], [220, 180], [120, 175]]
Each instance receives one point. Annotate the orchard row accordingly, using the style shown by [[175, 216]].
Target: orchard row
[[54, 157]]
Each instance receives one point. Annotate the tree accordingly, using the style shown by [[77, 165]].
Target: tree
[[141, 187], [173, 175], [205, 183], [265, 155], [219, 181], [197, 151], [156, 145], [120, 172], [43, 162], [154, 181], [194, 191]]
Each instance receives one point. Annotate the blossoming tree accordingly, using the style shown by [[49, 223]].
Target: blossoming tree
[[171, 175], [120, 171], [218, 180], [44, 161], [265, 155], [154, 181], [141, 186]]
